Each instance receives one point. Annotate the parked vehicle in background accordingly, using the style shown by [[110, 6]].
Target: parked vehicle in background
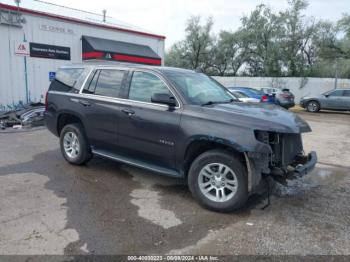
[[269, 90], [178, 123], [283, 97], [338, 99], [254, 93], [243, 97]]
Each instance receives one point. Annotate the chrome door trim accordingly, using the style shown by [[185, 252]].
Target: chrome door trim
[[86, 79], [122, 100], [112, 100]]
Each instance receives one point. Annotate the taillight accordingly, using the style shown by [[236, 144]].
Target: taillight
[[46, 102], [264, 98]]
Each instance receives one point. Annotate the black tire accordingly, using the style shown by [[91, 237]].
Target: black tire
[[313, 106], [84, 154], [235, 164]]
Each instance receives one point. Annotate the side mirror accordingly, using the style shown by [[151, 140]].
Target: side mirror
[[163, 98], [326, 95]]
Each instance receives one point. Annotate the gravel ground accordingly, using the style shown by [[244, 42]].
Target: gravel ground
[[50, 207]]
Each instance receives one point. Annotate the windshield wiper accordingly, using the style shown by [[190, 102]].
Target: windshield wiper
[[218, 102]]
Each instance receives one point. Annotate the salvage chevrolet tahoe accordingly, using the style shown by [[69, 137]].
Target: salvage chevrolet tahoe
[[175, 122]]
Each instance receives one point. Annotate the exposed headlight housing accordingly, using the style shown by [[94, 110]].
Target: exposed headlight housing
[[267, 137]]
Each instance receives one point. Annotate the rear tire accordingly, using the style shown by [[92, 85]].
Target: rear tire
[[74, 145], [313, 106], [218, 180]]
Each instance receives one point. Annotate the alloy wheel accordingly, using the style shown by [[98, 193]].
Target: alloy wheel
[[217, 182], [312, 106], [71, 144]]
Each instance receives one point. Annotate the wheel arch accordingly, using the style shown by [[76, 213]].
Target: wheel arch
[[67, 117], [201, 144], [314, 100]]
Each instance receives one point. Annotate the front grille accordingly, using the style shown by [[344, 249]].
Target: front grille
[[284, 151]]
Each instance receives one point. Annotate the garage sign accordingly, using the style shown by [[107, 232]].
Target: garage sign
[[22, 48], [49, 51]]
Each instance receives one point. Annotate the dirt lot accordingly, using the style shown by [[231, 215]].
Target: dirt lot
[[50, 207]]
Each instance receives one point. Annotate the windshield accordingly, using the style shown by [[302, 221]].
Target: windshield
[[255, 91], [239, 94], [198, 88]]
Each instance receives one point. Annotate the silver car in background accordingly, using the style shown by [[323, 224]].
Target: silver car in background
[[243, 97], [283, 97], [337, 99]]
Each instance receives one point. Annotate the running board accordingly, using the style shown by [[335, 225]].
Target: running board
[[137, 163]]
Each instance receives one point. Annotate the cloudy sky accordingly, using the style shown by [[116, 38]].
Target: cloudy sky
[[168, 17]]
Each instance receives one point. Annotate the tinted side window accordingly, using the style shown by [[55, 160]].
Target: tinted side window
[[109, 82], [144, 85], [347, 93], [66, 79], [90, 88], [336, 93]]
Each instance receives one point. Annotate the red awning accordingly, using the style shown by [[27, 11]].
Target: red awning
[[98, 48]]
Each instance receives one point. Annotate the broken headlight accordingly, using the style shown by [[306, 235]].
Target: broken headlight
[[265, 137]]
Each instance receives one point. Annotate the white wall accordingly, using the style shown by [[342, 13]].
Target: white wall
[[12, 73], [298, 86]]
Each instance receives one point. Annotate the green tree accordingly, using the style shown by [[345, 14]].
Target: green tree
[[228, 54], [286, 43], [298, 32], [196, 49], [259, 32]]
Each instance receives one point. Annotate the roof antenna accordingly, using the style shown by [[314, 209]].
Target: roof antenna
[[17, 2], [104, 11]]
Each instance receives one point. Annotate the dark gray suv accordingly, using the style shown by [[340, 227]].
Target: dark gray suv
[[178, 123], [338, 99]]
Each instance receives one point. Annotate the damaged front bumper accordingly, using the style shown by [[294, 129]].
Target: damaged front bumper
[[301, 165], [259, 165], [305, 164]]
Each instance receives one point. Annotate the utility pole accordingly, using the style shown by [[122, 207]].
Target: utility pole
[[336, 74], [104, 12]]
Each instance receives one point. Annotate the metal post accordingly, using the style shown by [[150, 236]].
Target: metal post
[[104, 11], [26, 73], [336, 74]]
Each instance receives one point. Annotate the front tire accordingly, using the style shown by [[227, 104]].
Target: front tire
[[218, 180], [74, 145], [313, 106]]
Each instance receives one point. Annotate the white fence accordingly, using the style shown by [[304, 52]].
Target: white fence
[[298, 86]]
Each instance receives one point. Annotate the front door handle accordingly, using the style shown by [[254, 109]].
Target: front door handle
[[129, 112]]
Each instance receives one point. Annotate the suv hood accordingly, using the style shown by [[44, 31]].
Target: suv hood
[[258, 116]]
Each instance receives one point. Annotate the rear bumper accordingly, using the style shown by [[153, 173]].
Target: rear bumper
[[306, 164], [286, 104]]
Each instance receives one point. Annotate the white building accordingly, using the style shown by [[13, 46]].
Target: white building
[[37, 38]]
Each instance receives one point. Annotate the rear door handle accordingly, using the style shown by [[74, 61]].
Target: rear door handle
[[129, 112], [84, 102]]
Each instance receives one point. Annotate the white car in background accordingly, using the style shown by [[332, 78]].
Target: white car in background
[[243, 97]]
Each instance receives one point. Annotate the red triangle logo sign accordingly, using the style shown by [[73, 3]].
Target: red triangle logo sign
[[21, 47]]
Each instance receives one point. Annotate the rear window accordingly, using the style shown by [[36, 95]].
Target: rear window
[[239, 94], [255, 91], [66, 79], [336, 93], [347, 93], [105, 82]]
